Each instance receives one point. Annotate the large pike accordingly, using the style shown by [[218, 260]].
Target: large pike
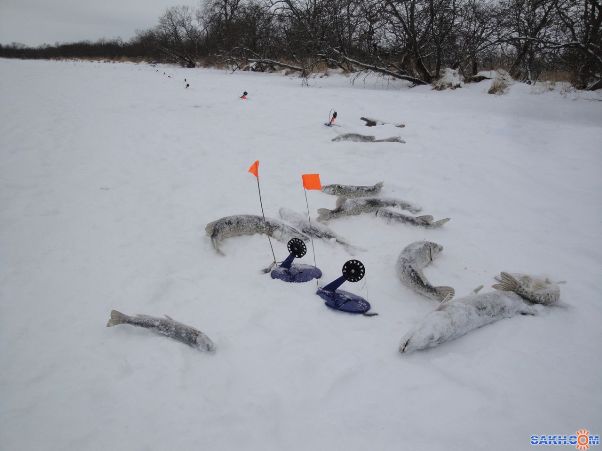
[[352, 190], [410, 263], [165, 326], [457, 317], [240, 225], [421, 221], [314, 229], [353, 207]]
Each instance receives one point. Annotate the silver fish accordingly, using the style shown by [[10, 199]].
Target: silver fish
[[352, 190], [410, 263], [356, 137], [239, 225], [314, 229], [165, 326], [534, 289], [452, 319], [352, 207], [422, 221]]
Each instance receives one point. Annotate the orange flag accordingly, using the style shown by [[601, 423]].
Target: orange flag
[[254, 169], [311, 181]]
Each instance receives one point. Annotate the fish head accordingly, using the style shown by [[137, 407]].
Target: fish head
[[431, 332]]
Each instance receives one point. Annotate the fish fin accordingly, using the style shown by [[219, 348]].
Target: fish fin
[[379, 185], [438, 223], [404, 345], [340, 201], [506, 282], [323, 214], [428, 219], [215, 243], [445, 293], [116, 318]]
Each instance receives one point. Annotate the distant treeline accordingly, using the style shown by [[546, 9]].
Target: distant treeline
[[407, 39]]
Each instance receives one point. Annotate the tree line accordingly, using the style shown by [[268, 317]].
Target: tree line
[[412, 40]]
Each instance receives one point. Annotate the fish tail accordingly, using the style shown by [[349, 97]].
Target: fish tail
[[438, 223], [426, 219], [117, 318], [445, 293], [507, 282]]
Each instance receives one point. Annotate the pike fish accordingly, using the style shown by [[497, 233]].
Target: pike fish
[[352, 190], [534, 289], [356, 137], [410, 263], [165, 326], [240, 225], [421, 221], [455, 318], [315, 229], [353, 207]]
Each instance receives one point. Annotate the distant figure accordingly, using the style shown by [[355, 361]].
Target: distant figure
[[187, 85], [244, 95]]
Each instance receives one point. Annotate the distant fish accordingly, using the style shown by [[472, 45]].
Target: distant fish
[[315, 229], [533, 289], [353, 207], [239, 225], [370, 122], [352, 190], [356, 137], [455, 318], [165, 326], [410, 263], [421, 221]]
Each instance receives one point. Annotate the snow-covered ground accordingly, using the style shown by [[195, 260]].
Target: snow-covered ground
[[109, 174]]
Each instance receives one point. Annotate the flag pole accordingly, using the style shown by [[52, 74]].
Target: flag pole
[[264, 221], [254, 169], [313, 249]]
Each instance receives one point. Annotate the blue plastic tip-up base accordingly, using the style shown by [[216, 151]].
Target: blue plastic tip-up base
[[296, 273], [344, 301]]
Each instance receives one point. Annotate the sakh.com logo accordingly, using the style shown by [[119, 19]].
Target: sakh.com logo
[[582, 440]]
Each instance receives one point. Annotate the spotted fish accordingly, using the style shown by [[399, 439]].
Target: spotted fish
[[165, 326], [352, 190], [421, 221], [240, 225], [534, 289], [410, 263], [353, 207], [457, 317]]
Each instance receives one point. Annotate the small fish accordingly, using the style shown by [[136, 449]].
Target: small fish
[[410, 263], [374, 122], [452, 319], [165, 326], [352, 190], [422, 221], [239, 225], [534, 289], [353, 207], [356, 137], [315, 229]]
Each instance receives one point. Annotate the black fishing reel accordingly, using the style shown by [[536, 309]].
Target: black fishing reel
[[290, 272], [296, 247], [354, 270]]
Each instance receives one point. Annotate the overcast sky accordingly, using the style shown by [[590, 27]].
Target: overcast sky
[[35, 22]]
